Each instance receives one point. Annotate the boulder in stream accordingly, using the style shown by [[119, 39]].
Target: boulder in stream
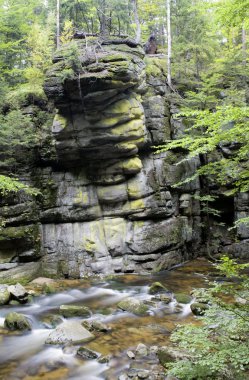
[[157, 287], [133, 305], [14, 321], [86, 353], [69, 311], [183, 298], [18, 293], [198, 308], [95, 326], [4, 295], [69, 332]]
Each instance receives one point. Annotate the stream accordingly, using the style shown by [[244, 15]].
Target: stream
[[26, 356]]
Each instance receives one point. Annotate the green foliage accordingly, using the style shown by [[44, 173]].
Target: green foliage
[[218, 348], [12, 185]]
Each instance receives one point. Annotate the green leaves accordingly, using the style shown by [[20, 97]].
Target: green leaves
[[13, 185], [218, 348]]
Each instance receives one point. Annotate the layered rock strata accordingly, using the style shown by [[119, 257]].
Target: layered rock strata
[[108, 203]]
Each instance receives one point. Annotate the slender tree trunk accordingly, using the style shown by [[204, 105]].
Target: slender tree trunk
[[58, 24], [244, 44], [137, 22], [169, 43], [103, 19]]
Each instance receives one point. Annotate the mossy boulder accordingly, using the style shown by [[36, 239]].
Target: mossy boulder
[[199, 308], [69, 311], [4, 295], [157, 287], [14, 321], [133, 305], [183, 298]]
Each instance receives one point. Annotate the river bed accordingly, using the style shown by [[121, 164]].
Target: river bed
[[25, 356]]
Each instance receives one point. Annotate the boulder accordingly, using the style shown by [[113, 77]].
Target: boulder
[[69, 311], [133, 305], [141, 350], [183, 298], [69, 332], [14, 321], [198, 308], [95, 326], [4, 295], [18, 293], [157, 287]]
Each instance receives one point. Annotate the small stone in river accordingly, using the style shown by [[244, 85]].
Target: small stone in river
[[183, 298], [99, 326], [85, 353], [134, 306], [141, 350], [14, 303], [157, 287], [4, 295], [69, 311], [130, 354], [143, 374], [123, 377], [165, 298], [153, 349], [104, 359], [198, 308], [15, 321]]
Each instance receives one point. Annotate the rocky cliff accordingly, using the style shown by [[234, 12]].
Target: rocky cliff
[[107, 201]]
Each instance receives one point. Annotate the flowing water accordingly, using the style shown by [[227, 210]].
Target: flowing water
[[27, 357]]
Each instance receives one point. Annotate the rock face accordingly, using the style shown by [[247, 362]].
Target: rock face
[[108, 203]]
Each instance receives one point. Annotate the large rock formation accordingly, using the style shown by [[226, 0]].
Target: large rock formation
[[108, 203]]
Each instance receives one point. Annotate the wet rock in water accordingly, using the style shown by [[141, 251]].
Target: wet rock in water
[[95, 326], [130, 354], [133, 305], [18, 293], [86, 353], [171, 377], [198, 308], [141, 350], [157, 287], [163, 298], [14, 303], [69, 311], [123, 377], [69, 332], [4, 295], [143, 374], [104, 359], [153, 349], [52, 320], [183, 298], [14, 321]]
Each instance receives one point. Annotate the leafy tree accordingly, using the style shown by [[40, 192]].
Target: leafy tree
[[218, 348]]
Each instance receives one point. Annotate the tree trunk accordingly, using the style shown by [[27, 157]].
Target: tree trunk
[[103, 19], [244, 44], [137, 22], [58, 24], [169, 43]]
